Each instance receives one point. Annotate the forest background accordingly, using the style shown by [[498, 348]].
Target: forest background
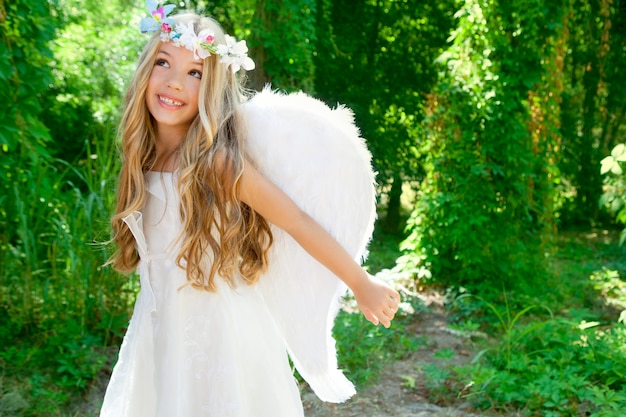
[[495, 127]]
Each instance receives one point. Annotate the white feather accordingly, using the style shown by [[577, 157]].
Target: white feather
[[315, 155]]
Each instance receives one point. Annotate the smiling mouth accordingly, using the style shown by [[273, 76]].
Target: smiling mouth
[[170, 102]]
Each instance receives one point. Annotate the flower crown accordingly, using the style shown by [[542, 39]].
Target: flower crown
[[233, 53]]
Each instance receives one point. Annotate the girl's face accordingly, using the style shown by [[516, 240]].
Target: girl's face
[[172, 94]]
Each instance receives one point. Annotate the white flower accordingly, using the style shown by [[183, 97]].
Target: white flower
[[187, 37], [165, 37], [203, 45], [612, 162], [235, 54]]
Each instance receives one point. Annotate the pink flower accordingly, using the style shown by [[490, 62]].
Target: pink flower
[[165, 27], [209, 39], [158, 14]]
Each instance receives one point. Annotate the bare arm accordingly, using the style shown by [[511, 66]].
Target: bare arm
[[377, 301]]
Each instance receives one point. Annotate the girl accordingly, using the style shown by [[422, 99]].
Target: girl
[[220, 301]]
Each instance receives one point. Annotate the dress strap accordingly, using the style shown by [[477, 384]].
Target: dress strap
[[134, 221]]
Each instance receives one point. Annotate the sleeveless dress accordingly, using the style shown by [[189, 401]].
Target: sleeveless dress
[[191, 353]]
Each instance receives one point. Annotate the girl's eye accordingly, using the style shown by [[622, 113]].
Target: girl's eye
[[195, 73], [162, 63]]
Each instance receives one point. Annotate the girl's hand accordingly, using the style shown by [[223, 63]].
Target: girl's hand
[[377, 301]]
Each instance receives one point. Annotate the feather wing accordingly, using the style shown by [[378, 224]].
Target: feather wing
[[316, 155]]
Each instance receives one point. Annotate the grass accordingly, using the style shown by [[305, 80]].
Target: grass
[[59, 307], [558, 351], [580, 255], [363, 349]]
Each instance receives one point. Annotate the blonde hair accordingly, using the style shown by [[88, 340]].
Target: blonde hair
[[210, 162]]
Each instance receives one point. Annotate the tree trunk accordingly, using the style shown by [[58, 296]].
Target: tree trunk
[[392, 220]]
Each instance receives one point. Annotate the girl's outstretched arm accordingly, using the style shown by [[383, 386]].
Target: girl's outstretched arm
[[377, 301]]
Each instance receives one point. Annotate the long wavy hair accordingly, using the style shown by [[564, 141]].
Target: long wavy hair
[[217, 226]]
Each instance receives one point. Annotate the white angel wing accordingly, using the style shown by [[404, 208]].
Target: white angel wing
[[316, 156]]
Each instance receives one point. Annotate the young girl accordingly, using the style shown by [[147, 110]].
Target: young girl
[[226, 285]]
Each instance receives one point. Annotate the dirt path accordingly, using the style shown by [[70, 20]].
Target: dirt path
[[400, 390]]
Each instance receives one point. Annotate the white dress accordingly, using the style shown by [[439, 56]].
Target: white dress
[[191, 353]]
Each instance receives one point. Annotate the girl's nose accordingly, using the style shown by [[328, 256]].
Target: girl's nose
[[174, 83]]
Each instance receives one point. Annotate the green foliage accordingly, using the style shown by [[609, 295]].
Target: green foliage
[[235, 16], [54, 211], [25, 30], [383, 250], [485, 207], [58, 304], [283, 42], [376, 57], [24, 37], [614, 196], [363, 349], [568, 360], [560, 367], [594, 100], [506, 142], [79, 359], [89, 76], [506, 324], [612, 289]]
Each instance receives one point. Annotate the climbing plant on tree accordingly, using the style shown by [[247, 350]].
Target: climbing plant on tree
[[485, 206]]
